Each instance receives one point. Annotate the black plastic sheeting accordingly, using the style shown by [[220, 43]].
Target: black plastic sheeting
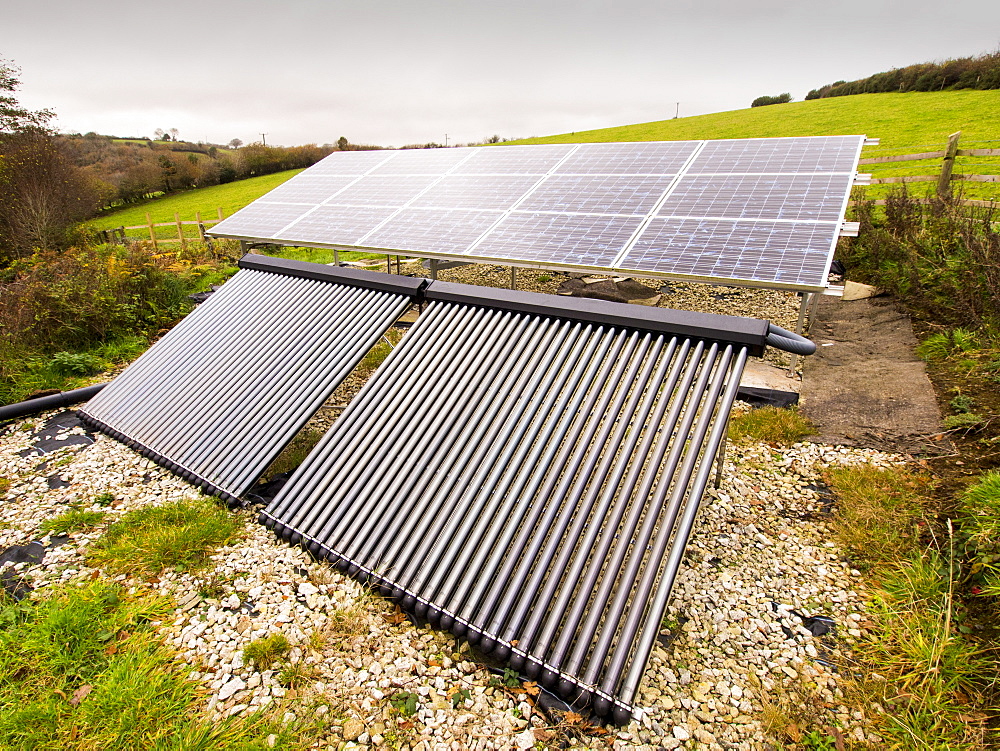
[[525, 480]]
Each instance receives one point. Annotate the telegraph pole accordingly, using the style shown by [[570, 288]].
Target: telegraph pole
[[677, 111], [263, 138]]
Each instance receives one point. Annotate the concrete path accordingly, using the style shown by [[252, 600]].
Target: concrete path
[[864, 386]]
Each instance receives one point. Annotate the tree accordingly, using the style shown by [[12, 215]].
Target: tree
[[173, 134], [159, 133], [235, 143], [763, 101], [342, 143], [15, 118], [41, 192]]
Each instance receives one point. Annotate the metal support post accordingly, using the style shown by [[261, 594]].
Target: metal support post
[[798, 330]]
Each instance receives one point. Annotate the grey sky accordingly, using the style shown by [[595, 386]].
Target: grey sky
[[394, 72]]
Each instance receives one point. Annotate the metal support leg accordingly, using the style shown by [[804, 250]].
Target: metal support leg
[[813, 305], [720, 460], [798, 330], [336, 257], [434, 268], [513, 277]]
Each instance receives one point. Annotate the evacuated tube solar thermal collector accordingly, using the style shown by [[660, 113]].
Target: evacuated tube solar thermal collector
[[525, 471], [219, 397]]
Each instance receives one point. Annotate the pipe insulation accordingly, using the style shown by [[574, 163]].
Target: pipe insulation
[[525, 480], [218, 398]]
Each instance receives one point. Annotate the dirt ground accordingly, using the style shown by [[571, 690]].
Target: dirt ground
[[864, 386]]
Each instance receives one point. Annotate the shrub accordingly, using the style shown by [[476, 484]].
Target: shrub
[[942, 261], [76, 363], [763, 101]]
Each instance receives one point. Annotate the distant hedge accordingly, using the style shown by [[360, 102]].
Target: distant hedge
[[980, 72], [763, 101]]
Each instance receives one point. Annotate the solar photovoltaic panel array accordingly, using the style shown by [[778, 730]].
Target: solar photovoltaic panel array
[[757, 212]]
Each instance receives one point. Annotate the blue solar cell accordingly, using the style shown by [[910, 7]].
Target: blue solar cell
[[431, 230], [653, 158], [631, 195], [783, 252], [558, 238]]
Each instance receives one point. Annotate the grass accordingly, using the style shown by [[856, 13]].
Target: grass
[[772, 425], [905, 123], [918, 676], [980, 526], [879, 512], [74, 520], [179, 535], [294, 453], [84, 669], [230, 197], [264, 652]]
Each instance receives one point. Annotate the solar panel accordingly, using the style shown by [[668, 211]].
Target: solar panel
[[574, 240], [795, 254], [791, 197], [676, 209]]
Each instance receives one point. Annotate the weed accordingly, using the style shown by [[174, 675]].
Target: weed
[[105, 499], [459, 697], [962, 404], [264, 652], [179, 535], [819, 741], [404, 702], [780, 427], [508, 679], [967, 421], [214, 586], [878, 511], [76, 363], [4, 487], [296, 674], [543, 278], [74, 520]]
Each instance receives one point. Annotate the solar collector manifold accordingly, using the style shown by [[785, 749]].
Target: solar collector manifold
[[527, 480]]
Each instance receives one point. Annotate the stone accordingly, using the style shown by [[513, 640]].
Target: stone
[[352, 729]]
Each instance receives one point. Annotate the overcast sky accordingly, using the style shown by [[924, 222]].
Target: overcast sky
[[394, 72]]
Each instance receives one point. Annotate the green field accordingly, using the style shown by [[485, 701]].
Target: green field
[[230, 197], [905, 123]]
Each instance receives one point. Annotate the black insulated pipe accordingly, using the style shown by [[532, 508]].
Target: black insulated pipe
[[54, 401], [789, 341]]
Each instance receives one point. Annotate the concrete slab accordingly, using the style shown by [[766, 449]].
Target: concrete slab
[[761, 375]]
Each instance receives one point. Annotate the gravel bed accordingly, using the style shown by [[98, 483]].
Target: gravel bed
[[734, 642]]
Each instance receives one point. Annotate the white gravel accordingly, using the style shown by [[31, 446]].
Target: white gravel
[[732, 645]]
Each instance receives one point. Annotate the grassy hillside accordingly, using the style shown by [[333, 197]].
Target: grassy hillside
[[905, 123], [231, 197]]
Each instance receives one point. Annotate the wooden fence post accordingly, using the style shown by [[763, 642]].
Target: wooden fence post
[[221, 217], [947, 165], [152, 231], [180, 230]]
